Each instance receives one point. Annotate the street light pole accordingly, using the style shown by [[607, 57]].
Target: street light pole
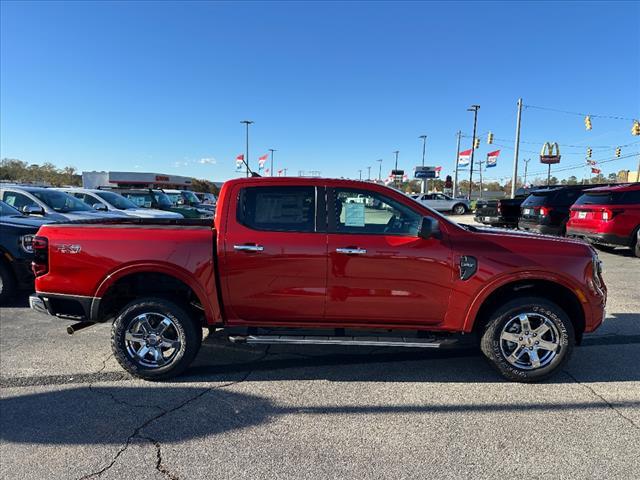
[[516, 152], [369, 174], [395, 181], [359, 174], [246, 159], [272, 150], [379, 169], [474, 109], [455, 179], [423, 185]]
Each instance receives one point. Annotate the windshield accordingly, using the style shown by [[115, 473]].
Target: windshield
[[163, 199], [61, 202], [191, 197], [8, 210], [118, 201]]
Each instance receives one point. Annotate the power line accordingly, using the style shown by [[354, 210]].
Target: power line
[[593, 115]]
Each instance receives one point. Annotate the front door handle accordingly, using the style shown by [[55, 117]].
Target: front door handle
[[351, 251], [248, 248]]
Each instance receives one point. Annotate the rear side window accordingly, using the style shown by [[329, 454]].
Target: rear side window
[[278, 209]]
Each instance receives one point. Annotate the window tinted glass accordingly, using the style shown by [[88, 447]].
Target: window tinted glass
[[285, 209], [567, 197], [539, 198], [18, 200], [7, 210], [60, 201], [116, 200], [372, 213], [609, 198]]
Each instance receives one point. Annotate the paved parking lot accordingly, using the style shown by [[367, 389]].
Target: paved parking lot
[[68, 411]]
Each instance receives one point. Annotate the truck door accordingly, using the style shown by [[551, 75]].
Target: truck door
[[274, 260], [380, 271]]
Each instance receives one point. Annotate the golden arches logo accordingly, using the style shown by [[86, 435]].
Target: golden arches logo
[[550, 150]]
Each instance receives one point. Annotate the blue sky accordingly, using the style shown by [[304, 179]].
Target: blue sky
[[332, 86]]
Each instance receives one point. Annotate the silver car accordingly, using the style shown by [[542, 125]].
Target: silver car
[[51, 204], [105, 200], [443, 203]]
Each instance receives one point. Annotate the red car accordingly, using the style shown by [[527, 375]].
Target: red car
[[608, 217], [315, 261]]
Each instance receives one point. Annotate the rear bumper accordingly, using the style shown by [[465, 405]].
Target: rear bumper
[[538, 228], [70, 307], [599, 238], [494, 221]]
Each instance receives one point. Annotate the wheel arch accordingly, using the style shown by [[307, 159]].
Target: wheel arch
[[131, 282], [556, 292]]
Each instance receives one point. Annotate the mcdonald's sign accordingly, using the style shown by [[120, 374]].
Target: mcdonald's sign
[[550, 153]]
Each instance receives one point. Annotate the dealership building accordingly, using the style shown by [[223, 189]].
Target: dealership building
[[135, 180]]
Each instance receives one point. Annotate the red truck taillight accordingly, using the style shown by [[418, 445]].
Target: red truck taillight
[[40, 264], [544, 211]]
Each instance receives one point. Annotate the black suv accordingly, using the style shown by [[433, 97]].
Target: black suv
[[16, 251], [501, 213], [547, 211]]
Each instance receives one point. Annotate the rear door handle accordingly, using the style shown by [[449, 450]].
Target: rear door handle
[[248, 248], [351, 251]]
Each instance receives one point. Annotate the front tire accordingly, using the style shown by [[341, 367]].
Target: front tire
[[528, 339], [155, 339], [459, 209]]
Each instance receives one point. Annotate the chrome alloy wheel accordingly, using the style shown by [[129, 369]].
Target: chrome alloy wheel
[[529, 341], [153, 340]]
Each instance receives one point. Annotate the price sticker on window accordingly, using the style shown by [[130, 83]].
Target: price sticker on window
[[354, 215]]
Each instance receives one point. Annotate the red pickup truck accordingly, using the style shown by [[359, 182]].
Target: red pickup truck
[[316, 261]]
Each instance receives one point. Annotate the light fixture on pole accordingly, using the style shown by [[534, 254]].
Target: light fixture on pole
[[246, 158]]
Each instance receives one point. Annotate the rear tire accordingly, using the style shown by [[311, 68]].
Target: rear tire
[[636, 248], [459, 209], [528, 339], [7, 283], [155, 339]]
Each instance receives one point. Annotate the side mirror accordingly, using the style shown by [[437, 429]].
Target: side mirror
[[429, 228], [180, 201], [100, 207], [32, 210]]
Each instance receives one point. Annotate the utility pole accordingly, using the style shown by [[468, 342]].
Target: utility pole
[[455, 178], [474, 109], [395, 181], [272, 150], [516, 151], [526, 165], [246, 159], [369, 173], [480, 163], [379, 169], [423, 185], [360, 174]]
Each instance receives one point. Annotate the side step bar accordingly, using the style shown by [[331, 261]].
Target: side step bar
[[410, 342]]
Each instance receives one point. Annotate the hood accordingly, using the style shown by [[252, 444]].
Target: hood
[[151, 213], [23, 221], [509, 234]]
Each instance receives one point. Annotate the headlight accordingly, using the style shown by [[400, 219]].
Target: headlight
[[26, 243]]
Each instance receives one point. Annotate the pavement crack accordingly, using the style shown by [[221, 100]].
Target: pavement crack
[[607, 402], [136, 433]]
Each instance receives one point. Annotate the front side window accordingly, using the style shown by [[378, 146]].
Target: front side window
[[372, 213], [18, 200], [278, 209]]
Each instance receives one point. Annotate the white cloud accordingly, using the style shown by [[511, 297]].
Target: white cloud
[[180, 163], [208, 161]]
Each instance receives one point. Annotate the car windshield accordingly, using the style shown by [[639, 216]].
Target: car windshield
[[163, 199], [61, 202], [8, 210], [118, 201], [174, 198], [191, 197]]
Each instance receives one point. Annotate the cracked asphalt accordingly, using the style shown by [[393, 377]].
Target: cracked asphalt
[[68, 411]]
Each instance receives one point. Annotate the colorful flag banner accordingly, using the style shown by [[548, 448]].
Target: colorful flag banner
[[464, 158], [262, 160], [591, 162], [267, 172], [280, 172], [239, 162], [492, 158], [438, 170], [595, 170]]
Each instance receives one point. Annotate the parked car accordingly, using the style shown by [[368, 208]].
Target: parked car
[[207, 198], [608, 217], [547, 211], [157, 199], [504, 212], [16, 250], [293, 260], [444, 203], [106, 200], [189, 199], [51, 204]]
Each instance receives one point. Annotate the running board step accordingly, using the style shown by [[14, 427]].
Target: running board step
[[410, 342]]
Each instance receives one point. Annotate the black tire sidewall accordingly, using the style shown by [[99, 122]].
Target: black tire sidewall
[[459, 206], [490, 341], [8, 283], [190, 333]]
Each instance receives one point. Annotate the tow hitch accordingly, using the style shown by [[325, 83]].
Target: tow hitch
[[71, 329]]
